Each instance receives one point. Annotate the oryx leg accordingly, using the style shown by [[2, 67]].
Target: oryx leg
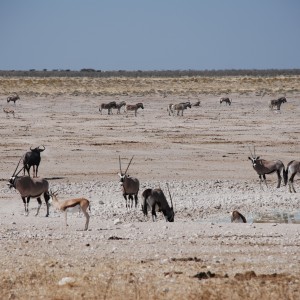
[[126, 202], [47, 197], [39, 206], [279, 178], [265, 180], [25, 202], [291, 183]]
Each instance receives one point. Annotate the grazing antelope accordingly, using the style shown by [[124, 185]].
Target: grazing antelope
[[181, 107], [237, 217], [119, 106], [8, 111], [170, 109], [277, 103], [130, 186], [83, 203], [109, 106], [292, 169], [226, 100], [30, 188], [134, 107], [196, 103], [14, 97], [155, 200], [263, 167], [32, 158]]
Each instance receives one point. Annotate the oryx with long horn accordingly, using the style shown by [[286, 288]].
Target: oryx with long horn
[[292, 169], [130, 186], [30, 188], [155, 200], [263, 167]]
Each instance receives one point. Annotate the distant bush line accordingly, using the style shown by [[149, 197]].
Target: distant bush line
[[133, 74]]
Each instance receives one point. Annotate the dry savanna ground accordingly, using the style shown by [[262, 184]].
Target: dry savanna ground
[[203, 156]]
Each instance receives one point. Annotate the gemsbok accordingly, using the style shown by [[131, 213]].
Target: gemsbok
[[277, 103], [32, 158], [14, 97], [63, 206], [119, 106], [292, 169], [134, 107], [226, 100], [263, 167], [109, 106], [29, 187], [130, 186], [237, 217], [181, 107], [155, 200]]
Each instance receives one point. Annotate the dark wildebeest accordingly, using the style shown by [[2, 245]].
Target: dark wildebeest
[[226, 100], [13, 98], [237, 217], [109, 106], [277, 103], [32, 158]]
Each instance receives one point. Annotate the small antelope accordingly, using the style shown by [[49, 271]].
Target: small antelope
[[156, 201], [8, 111], [130, 186], [237, 217], [292, 169], [277, 103], [13, 98], [263, 167], [181, 107], [134, 107], [119, 106], [109, 106], [83, 203], [226, 100]]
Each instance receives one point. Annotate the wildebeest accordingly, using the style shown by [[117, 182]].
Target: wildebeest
[[292, 169], [130, 186], [109, 106], [181, 107], [119, 106], [14, 97], [134, 107], [237, 217], [196, 103], [277, 103], [226, 100], [32, 158], [263, 167], [30, 188], [156, 201]]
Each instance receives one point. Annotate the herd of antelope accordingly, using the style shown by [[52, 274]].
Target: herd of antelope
[[153, 199]]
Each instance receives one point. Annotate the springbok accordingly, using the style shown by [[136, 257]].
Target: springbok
[[8, 111], [134, 107], [130, 186], [109, 106], [30, 188], [292, 169], [237, 217], [277, 103], [155, 200], [14, 97], [63, 206], [32, 158], [119, 106], [181, 107], [263, 167], [226, 100]]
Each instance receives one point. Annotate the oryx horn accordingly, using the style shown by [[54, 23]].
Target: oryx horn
[[17, 167], [129, 164], [120, 165]]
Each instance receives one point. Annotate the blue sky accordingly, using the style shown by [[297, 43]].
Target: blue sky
[[149, 34]]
